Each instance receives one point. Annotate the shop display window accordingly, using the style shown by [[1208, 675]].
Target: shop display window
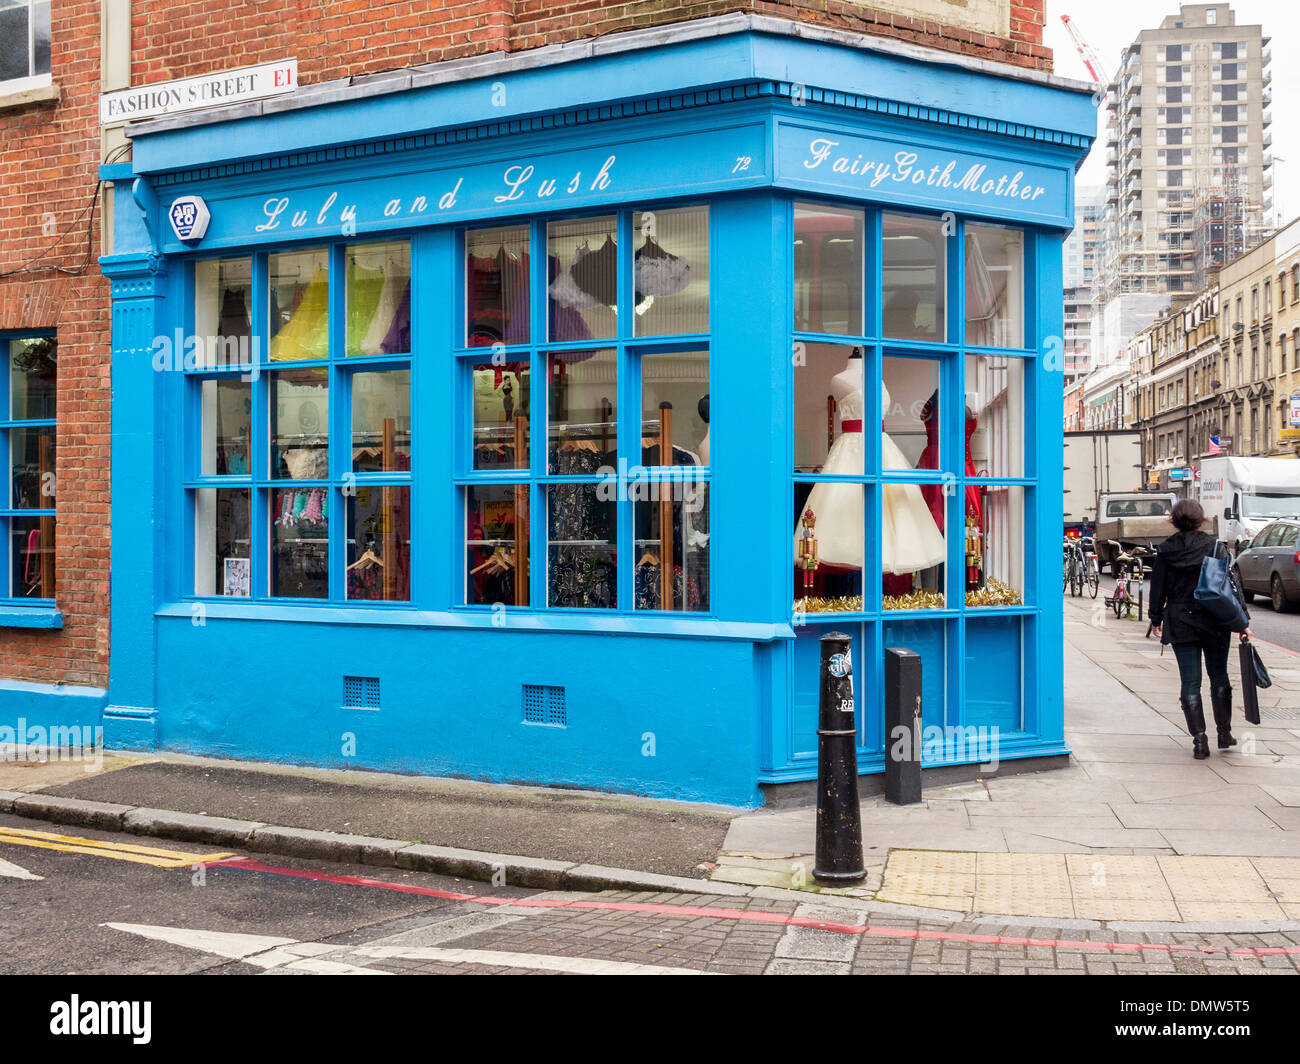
[[670, 272], [914, 277], [910, 412], [299, 311], [623, 517], [279, 447], [829, 547], [995, 416], [995, 286], [222, 564], [994, 537], [27, 443], [828, 269], [497, 280], [829, 409], [377, 302], [223, 327]]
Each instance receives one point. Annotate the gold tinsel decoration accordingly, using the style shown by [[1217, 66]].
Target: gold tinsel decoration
[[843, 604], [916, 600], [996, 594]]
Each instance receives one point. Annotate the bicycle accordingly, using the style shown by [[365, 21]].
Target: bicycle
[[1091, 570], [1072, 576], [1122, 600]]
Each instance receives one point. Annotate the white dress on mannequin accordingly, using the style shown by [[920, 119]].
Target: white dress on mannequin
[[911, 541]]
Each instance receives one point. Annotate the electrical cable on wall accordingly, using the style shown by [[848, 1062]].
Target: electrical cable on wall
[[31, 265]]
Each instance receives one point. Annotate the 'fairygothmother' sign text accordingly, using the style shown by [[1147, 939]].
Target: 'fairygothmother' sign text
[[871, 168]]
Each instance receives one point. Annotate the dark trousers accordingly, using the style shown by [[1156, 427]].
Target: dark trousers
[[1215, 648]]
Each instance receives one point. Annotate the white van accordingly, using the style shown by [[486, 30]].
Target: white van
[[1242, 495]]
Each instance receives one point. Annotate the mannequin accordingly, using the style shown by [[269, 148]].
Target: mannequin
[[703, 408]]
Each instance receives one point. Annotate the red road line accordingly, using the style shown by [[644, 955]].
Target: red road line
[[755, 916]]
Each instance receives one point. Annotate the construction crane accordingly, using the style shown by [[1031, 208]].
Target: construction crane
[[1086, 52]]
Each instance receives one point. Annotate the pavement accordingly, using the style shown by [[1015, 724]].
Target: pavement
[[1133, 836]]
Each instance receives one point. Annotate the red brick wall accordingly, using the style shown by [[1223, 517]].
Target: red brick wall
[[48, 156], [49, 152]]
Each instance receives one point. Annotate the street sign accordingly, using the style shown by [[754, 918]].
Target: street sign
[[193, 94]]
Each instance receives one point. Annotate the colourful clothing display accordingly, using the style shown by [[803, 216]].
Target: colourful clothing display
[[306, 334]]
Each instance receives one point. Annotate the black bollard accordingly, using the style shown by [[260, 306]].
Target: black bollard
[[902, 726], [839, 819]]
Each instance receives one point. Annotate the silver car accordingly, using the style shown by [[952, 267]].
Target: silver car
[[1271, 565]]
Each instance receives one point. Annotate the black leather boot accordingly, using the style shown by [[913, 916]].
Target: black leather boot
[[1195, 714], [1221, 700]]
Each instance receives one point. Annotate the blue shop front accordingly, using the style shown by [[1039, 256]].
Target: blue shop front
[[529, 418]]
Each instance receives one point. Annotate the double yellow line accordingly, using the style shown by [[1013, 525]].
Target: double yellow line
[[118, 851]]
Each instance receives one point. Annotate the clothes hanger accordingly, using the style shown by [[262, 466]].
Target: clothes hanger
[[648, 558], [369, 559]]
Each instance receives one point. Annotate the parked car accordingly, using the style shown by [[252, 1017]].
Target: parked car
[[1270, 565]]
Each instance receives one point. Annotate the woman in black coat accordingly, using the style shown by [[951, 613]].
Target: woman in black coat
[[1182, 622]]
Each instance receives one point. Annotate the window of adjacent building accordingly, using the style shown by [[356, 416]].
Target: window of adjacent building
[[1268, 297], [27, 445], [24, 44], [300, 487]]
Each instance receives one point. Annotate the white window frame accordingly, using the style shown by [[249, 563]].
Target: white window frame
[[32, 81]]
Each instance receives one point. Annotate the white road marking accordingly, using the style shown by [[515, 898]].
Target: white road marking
[[538, 961], [263, 951], [269, 951], [14, 871]]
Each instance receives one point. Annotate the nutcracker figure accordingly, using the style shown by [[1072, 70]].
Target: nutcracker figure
[[808, 551]]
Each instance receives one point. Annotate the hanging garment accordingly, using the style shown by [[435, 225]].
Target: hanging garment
[[595, 274], [234, 320], [582, 573], [398, 339], [910, 539], [384, 317], [841, 535], [364, 290], [306, 335], [930, 460], [657, 272]]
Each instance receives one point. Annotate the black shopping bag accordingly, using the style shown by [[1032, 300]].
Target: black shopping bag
[[1249, 683]]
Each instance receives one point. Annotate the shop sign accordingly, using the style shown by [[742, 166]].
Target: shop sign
[[623, 172], [1290, 435], [1153, 477], [1180, 474], [1295, 411], [877, 168], [194, 94]]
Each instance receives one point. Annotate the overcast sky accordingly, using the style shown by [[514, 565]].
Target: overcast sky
[[1111, 25]]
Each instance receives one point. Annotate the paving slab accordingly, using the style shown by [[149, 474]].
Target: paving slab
[[1195, 817], [1275, 843]]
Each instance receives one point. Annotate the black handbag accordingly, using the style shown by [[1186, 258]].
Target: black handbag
[[1253, 677], [1218, 594]]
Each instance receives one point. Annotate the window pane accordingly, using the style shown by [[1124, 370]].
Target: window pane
[[223, 294], [672, 547], [378, 298], [670, 274], [915, 260], [226, 419], [41, 37], [31, 550], [582, 547], [582, 287], [829, 536], [913, 547], [583, 389], [995, 546], [300, 543], [14, 58], [379, 544], [299, 305], [33, 378], [829, 408], [675, 408], [222, 563], [31, 460], [995, 416], [496, 545], [828, 265], [381, 421], [909, 401], [300, 424], [995, 286], [497, 308], [502, 415]]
